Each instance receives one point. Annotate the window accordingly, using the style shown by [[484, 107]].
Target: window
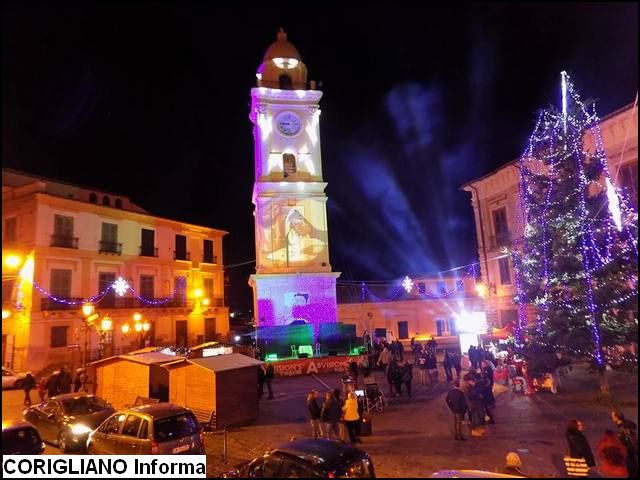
[[147, 247], [59, 336], [628, 175], [61, 283], [505, 271], [403, 330], [106, 201], [105, 280], [181, 248], [113, 424], [118, 203], [144, 431], [172, 428], [7, 289], [93, 198], [288, 164], [500, 227], [207, 255], [63, 226], [11, 229], [146, 286], [109, 232], [421, 287], [207, 283], [131, 426], [441, 288], [179, 285], [284, 82], [508, 317]]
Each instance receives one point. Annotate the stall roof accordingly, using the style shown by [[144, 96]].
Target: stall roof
[[151, 358], [220, 363]]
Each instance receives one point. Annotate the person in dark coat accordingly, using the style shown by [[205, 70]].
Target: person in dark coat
[[330, 416], [457, 403], [407, 376], [398, 373], [612, 457], [314, 414], [390, 374], [353, 371], [53, 384], [64, 382], [27, 385], [456, 364], [77, 382], [261, 379], [578, 444], [446, 363], [269, 373], [489, 399], [627, 434]]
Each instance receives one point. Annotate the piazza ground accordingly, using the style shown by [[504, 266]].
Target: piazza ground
[[413, 437]]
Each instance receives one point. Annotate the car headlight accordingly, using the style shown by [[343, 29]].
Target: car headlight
[[79, 429]]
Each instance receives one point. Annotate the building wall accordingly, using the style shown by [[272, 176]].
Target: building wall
[[499, 189], [30, 329]]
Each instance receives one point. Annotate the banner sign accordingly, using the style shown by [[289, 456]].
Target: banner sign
[[312, 366]]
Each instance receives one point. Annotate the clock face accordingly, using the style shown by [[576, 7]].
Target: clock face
[[288, 123]]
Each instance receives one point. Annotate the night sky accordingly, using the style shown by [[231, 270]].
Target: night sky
[[152, 101]]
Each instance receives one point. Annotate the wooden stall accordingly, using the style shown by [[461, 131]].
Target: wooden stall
[[123, 378], [223, 384]]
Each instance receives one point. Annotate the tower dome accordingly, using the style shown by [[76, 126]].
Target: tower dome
[[282, 66]]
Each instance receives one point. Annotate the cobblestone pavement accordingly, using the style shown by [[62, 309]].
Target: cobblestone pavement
[[414, 437]]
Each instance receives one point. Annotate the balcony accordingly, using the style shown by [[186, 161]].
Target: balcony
[[209, 259], [148, 251], [48, 304], [501, 240], [110, 247], [64, 241], [216, 302], [181, 255]]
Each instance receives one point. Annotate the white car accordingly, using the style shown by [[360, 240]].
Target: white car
[[10, 379]]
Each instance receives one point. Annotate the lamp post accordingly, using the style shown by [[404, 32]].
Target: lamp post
[[140, 326], [88, 312]]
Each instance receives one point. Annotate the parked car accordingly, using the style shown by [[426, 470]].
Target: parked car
[[159, 429], [21, 438], [308, 459], [66, 420], [10, 379], [470, 474]]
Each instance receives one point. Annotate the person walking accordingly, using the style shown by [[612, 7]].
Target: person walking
[[330, 415], [407, 376], [352, 417], [42, 389], [489, 399], [261, 379], [269, 373], [398, 377], [314, 414], [432, 367], [27, 385], [64, 382], [385, 358], [612, 456], [476, 406], [53, 384], [422, 367], [77, 382], [390, 374], [446, 363], [458, 405], [627, 434], [578, 444]]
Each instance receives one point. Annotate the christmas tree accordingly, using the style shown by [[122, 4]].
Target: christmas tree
[[577, 261]]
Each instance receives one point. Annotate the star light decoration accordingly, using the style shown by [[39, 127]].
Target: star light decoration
[[407, 284], [120, 286]]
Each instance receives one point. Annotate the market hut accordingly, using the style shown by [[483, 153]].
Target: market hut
[[224, 385], [123, 378]]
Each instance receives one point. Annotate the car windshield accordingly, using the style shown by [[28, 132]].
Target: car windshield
[[171, 428], [23, 440], [83, 405]]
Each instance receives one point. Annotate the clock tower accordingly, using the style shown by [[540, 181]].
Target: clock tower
[[293, 279]]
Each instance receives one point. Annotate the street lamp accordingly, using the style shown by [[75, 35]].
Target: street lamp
[[87, 311], [140, 326], [106, 326], [5, 314], [12, 260]]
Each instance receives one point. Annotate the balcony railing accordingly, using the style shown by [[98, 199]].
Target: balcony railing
[[110, 247], [216, 302], [114, 302], [501, 240], [148, 251], [64, 241], [48, 304], [181, 255], [209, 259]]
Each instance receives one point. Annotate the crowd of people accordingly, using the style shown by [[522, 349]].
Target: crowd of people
[[335, 419], [57, 383]]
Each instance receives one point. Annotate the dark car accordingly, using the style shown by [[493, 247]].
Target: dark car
[[308, 459], [66, 420], [160, 429], [21, 439]]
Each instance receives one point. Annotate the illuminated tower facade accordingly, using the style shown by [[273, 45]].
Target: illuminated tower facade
[[293, 279]]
